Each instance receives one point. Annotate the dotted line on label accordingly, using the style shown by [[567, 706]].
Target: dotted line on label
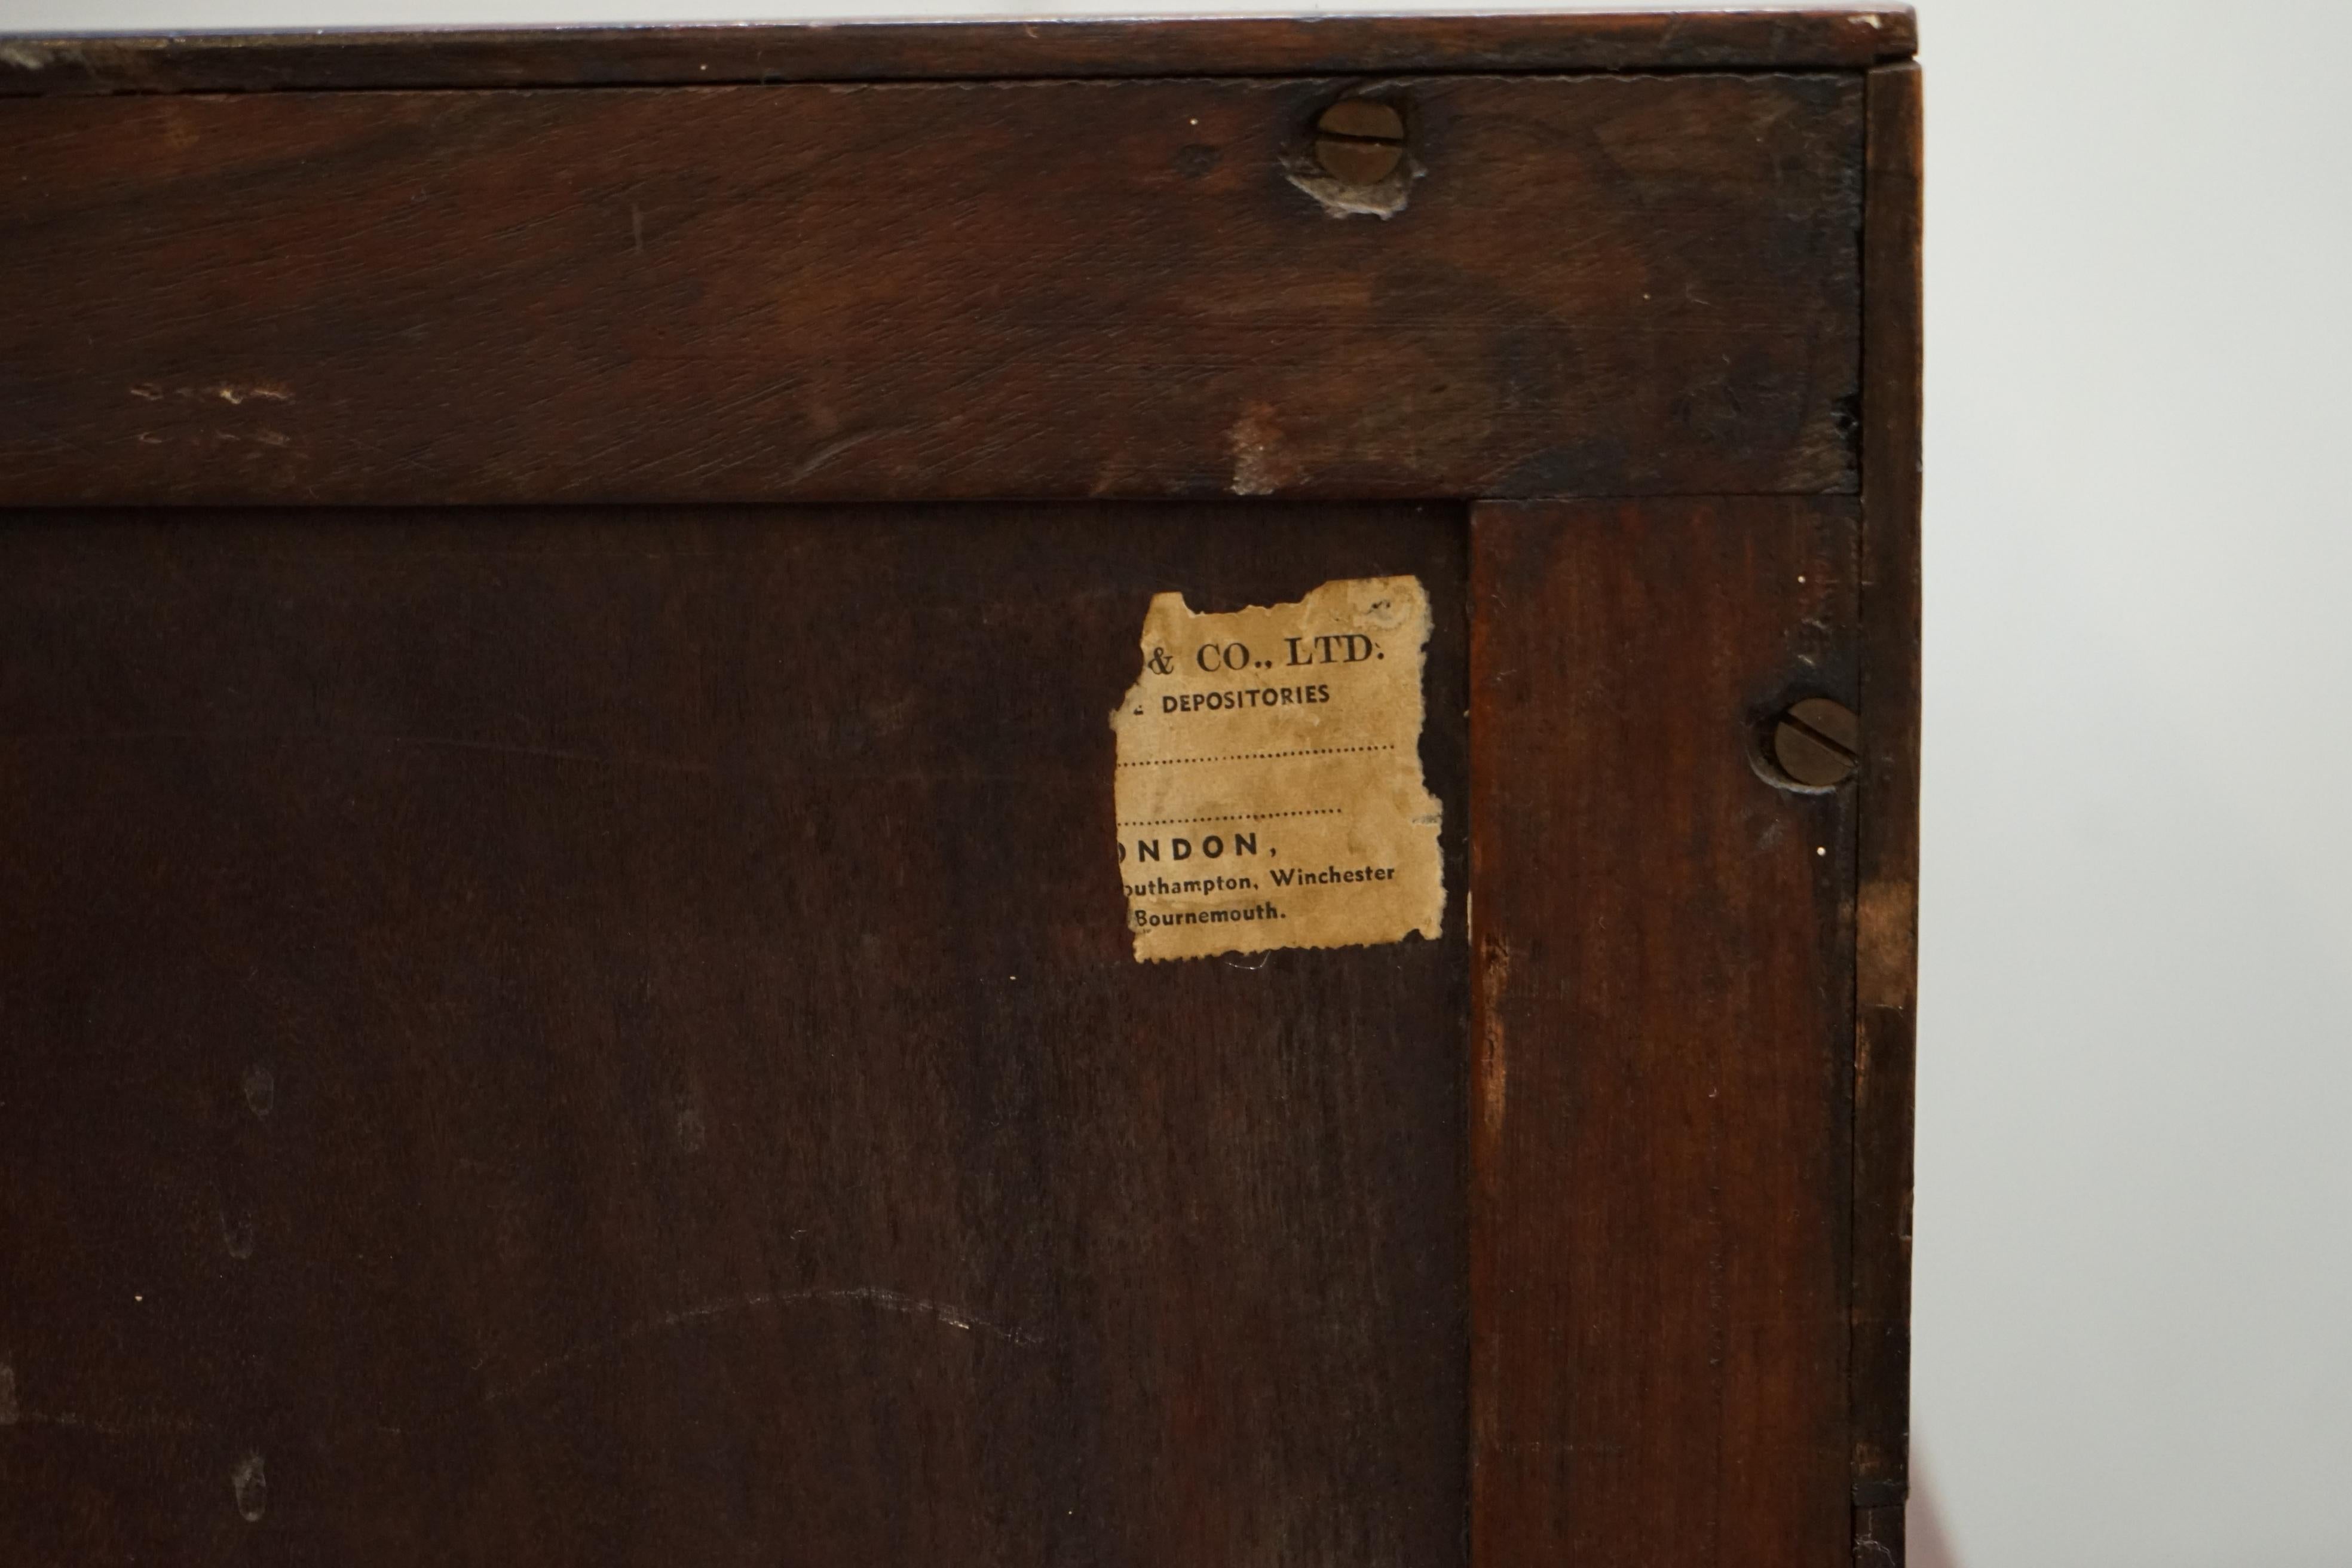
[[1239, 817], [1257, 756]]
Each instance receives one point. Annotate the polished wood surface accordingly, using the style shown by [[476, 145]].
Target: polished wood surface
[[1602, 284]]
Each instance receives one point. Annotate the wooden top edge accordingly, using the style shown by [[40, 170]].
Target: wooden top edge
[[1759, 39]]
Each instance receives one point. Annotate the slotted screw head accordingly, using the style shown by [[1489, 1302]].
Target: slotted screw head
[[1360, 141], [1369, 118], [1816, 742]]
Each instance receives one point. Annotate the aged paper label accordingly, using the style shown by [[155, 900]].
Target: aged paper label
[[1269, 787]]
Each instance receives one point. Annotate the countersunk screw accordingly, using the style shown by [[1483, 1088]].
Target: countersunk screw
[[1816, 741], [1360, 141]]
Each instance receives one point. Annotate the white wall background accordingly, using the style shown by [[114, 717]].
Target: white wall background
[[2134, 1211], [2135, 1260]]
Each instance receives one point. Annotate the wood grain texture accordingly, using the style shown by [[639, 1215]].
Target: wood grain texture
[[1662, 1033], [1632, 38], [1886, 973], [1601, 285], [607, 1037]]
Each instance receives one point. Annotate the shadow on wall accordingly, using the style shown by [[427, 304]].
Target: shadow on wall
[[1926, 1542]]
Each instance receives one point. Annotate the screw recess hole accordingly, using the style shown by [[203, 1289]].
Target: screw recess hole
[[1815, 744]]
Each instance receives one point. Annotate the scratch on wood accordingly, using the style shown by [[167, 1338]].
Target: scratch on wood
[[230, 393], [133, 1426], [1494, 1059], [835, 448], [888, 1301]]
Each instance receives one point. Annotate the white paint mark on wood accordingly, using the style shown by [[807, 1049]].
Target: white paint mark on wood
[[261, 1090], [248, 1482], [1256, 441], [238, 1233]]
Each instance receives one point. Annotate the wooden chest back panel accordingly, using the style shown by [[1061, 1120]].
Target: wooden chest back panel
[[604, 1033], [609, 1037], [1601, 285]]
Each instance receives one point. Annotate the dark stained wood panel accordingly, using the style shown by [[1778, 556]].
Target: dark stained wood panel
[[1632, 38], [1887, 871], [1601, 285], [1662, 1037], [582, 1038]]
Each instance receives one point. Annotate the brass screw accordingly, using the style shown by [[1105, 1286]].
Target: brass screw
[[1360, 141], [1816, 742]]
